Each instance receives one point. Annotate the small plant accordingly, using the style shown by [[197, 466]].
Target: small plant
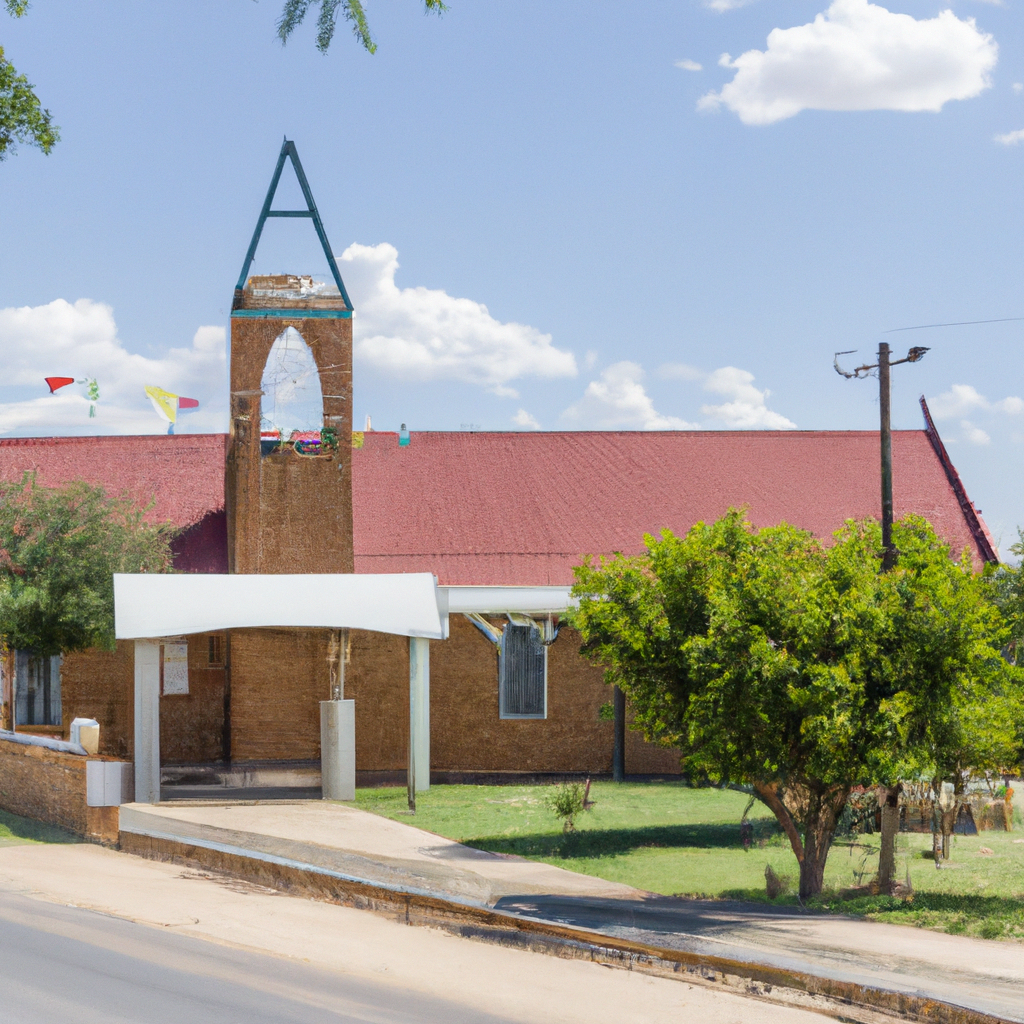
[[567, 801], [775, 886]]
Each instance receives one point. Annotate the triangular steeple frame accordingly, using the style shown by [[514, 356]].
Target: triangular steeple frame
[[288, 151]]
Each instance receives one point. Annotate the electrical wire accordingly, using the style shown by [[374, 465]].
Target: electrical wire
[[959, 323]]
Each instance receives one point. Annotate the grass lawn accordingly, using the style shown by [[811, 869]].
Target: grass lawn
[[16, 830], [669, 838]]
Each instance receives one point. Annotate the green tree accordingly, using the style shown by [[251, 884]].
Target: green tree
[[774, 660], [59, 550], [352, 11], [1008, 586], [22, 117]]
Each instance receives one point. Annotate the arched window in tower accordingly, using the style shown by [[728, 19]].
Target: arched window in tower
[[292, 406]]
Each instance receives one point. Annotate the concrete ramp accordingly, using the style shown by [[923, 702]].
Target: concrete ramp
[[357, 846]]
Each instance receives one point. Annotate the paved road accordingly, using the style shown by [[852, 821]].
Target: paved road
[[67, 964]]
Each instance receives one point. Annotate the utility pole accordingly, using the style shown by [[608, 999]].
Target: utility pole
[[619, 750], [888, 796], [884, 392], [915, 355]]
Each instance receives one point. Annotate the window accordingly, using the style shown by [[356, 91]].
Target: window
[[216, 651], [522, 673], [36, 689]]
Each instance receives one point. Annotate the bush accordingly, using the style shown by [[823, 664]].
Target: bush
[[567, 803]]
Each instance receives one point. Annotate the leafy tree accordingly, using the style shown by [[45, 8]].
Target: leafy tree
[[59, 549], [1008, 585], [351, 10], [774, 660], [22, 117]]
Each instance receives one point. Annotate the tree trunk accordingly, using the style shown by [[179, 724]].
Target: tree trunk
[[936, 821], [816, 808], [888, 800]]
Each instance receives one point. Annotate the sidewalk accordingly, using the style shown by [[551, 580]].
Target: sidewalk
[[977, 974]]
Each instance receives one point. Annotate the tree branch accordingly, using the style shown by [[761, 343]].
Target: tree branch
[[769, 795]]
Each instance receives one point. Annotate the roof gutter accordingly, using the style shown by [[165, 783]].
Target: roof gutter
[[975, 524]]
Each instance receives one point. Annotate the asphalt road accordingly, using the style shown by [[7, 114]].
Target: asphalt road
[[65, 964]]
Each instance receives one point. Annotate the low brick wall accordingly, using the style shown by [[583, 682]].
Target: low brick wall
[[50, 786]]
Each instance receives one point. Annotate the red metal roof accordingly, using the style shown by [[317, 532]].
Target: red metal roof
[[523, 508], [183, 475]]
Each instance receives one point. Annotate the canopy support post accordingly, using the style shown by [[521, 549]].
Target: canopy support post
[[419, 714], [147, 722]]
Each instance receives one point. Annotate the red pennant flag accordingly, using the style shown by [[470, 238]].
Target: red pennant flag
[[58, 382], [188, 403]]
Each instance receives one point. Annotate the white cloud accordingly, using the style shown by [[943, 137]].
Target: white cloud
[[618, 401], [726, 5], [689, 65], [427, 334], [1018, 86], [680, 371], [961, 399], [859, 56], [1010, 138], [974, 434], [524, 420], [747, 406], [80, 340]]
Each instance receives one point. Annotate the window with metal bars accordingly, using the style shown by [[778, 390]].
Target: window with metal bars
[[522, 673], [36, 689], [215, 655]]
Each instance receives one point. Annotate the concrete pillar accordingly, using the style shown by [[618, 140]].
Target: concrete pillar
[[147, 722], [338, 749], [419, 711]]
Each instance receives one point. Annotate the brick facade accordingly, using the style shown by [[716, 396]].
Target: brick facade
[[49, 785], [466, 732], [101, 685]]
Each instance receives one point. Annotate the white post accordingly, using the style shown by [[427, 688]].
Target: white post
[[338, 749], [419, 711], [147, 722]]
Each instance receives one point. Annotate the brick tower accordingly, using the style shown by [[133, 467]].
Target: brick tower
[[289, 498]]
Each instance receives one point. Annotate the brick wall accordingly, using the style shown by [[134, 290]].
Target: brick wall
[[101, 685], [278, 678], [466, 734], [49, 785]]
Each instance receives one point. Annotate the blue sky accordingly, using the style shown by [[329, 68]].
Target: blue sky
[[550, 222]]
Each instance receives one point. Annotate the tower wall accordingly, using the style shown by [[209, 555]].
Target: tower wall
[[287, 513]]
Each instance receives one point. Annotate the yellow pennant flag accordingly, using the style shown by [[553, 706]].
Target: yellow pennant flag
[[164, 403]]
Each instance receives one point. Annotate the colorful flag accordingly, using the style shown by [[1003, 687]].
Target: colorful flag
[[167, 405]]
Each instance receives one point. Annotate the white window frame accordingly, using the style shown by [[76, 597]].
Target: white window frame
[[506, 715]]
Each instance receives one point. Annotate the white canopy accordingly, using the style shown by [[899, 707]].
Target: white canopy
[[151, 605], [499, 600]]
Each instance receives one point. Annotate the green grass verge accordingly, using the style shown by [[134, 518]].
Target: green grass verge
[[671, 839], [16, 830]]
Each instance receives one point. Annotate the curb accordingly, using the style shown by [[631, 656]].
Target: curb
[[844, 1001]]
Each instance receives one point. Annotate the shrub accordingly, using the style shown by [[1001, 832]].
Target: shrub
[[566, 801]]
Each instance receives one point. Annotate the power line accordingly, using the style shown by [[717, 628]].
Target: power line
[[959, 323]]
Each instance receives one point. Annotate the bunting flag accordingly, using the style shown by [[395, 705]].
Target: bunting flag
[[55, 383], [167, 405]]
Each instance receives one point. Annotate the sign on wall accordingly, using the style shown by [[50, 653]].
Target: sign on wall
[[175, 668]]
